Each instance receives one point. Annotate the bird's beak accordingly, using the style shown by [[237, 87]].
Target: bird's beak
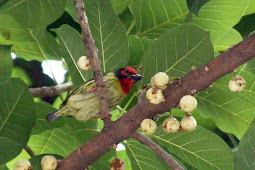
[[135, 77]]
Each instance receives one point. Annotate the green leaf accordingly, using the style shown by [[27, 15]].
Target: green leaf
[[119, 5], [219, 17], [41, 124], [122, 154], [17, 116], [109, 34], [34, 13], [176, 51], [103, 162], [137, 46], [234, 112], [3, 2], [250, 7], [226, 39], [61, 136], [200, 148], [246, 25], [22, 155], [245, 155], [71, 49], [4, 167], [11, 32], [142, 157], [5, 63], [153, 18], [42, 47], [195, 5], [36, 160], [71, 10], [20, 73]]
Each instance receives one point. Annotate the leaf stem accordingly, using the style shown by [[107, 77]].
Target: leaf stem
[[29, 151]]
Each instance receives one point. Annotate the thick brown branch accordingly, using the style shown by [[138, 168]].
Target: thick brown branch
[[170, 161], [51, 91], [127, 125], [92, 54]]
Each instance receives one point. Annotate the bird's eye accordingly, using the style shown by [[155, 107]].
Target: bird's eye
[[126, 71]]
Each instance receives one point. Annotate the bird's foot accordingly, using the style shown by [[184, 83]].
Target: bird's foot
[[92, 90], [109, 116]]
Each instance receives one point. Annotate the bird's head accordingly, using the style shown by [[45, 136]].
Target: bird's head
[[127, 77]]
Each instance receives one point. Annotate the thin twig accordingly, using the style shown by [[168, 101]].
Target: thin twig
[[128, 124], [50, 91], [29, 151], [170, 161], [92, 54]]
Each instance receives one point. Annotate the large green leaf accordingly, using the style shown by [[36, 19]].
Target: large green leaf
[[71, 49], [17, 116], [109, 34], [245, 155], [137, 48], [34, 13], [200, 148], [142, 157], [250, 8], [61, 136], [5, 63], [11, 32], [176, 51], [153, 18], [226, 39], [234, 112], [42, 47], [156, 17], [3, 167], [195, 5]]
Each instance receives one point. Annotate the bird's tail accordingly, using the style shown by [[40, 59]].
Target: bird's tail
[[54, 115]]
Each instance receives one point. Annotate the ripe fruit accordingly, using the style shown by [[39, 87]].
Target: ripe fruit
[[118, 164], [171, 125], [49, 162], [148, 126], [155, 96], [22, 165], [188, 123], [83, 63], [160, 80], [236, 84], [188, 103]]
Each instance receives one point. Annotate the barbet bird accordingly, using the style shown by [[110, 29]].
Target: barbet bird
[[83, 102]]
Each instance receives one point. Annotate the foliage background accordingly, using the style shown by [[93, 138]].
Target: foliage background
[[150, 35]]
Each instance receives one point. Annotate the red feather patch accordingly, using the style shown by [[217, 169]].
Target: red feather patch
[[126, 85]]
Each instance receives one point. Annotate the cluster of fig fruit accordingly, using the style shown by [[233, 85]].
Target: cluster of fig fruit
[[48, 162], [187, 103]]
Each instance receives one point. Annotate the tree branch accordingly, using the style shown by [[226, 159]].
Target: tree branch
[[170, 161], [50, 91], [92, 54], [127, 125]]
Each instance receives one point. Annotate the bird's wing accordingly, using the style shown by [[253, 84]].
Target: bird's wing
[[82, 89]]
